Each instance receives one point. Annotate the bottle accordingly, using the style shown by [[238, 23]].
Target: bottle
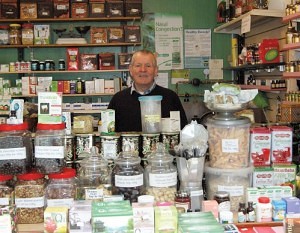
[[242, 213], [250, 212], [79, 86], [263, 210], [223, 200], [183, 200]]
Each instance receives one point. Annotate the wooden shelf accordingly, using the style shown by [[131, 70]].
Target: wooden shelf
[[287, 18], [286, 47], [262, 88], [70, 45], [291, 75], [258, 17], [255, 66], [256, 224], [66, 95], [64, 71]]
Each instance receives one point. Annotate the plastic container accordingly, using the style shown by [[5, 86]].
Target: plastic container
[[94, 177], [61, 188], [128, 176], [161, 175], [27, 34], [15, 34], [6, 190], [110, 146], [4, 36], [151, 113], [16, 149], [49, 148], [30, 198], [263, 210], [234, 181], [228, 142]]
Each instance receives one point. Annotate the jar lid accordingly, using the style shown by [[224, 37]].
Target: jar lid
[[30, 176], [41, 126], [66, 173], [159, 156], [13, 127], [93, 161], [182, 194], [221, 194], [15, 25], [150, 98], [27, 25], [6, 177], [264, 200], [4, 27], [127, 157]]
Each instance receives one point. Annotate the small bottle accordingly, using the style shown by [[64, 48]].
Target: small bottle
[[242, 213], [61, 64], [250, 212], [182, 199], [79, 86], [263, 210], [223, 200]]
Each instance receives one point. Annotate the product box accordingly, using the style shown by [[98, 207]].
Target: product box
[[66, 86], [41, 34], [66, 118], [124, 60], [99, 85], [28, 10], [98, 35], [171, 124], [260, 146], [109, 86], [9, 9], [282, 144], [88, 62], [292, 205], [80, 217], [263, 176], [56, 219], [114, 8], [8, 219], [96, 9], [17, 105], [90, 87], [45, 10], [143, 217], [211, 206], [79, 10], [278, 210], [107, 61], [165, 218], [49, 107], [291, 224], [72, 59], [269, 51], [133, 9], [115, 34], [285, 175], [132, 34], [107, 121], [61, 9]]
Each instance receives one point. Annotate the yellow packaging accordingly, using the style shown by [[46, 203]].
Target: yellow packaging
[[165, 219], [56, 220]]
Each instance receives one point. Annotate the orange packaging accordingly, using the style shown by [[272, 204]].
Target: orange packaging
[[72, 58], [66, 87]]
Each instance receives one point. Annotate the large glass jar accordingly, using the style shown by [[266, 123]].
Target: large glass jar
[[94, 181], [161, 175], [61, 188], [6, 189], [16, 149], [49, 148], [128, 176], [27, 34], [4, 34], [15, 34], [30, 197]]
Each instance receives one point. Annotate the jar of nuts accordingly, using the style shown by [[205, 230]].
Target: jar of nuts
[[61, 188], [161, 175], [16, 149], [49, 148], [94, 177], [6, 189], [128, 176], [30, 198]]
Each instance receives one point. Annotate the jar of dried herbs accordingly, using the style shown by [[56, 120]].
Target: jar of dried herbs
[[30, 198]]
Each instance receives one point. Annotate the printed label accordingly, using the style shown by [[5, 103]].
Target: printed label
[[234, 191], [31, 203], [230, 145], [129, 181], [4, 201], [92, 194], [163, 180], [13, 153], [61, 202], [152, 118], [48, 152]]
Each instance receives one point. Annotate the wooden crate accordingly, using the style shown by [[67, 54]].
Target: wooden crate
[[290, 112]]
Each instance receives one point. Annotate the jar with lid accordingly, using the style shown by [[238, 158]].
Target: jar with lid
[[6, 189], [161, 175], [15, 34], [128, 176], [16, 149], [263, 210], [61, 188], [222, 197], [4, 35], [30, 198], [61, 64], [49, 147], [182, 201], [27, 34], [289, 34], [94, 177]]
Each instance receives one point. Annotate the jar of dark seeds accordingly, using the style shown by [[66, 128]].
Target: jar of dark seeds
[[128, 176], [49, 148], [30, 198], [6, 190], [16, 149], [61, 188]]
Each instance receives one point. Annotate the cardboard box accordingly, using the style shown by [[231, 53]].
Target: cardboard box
[[107, 61], [124, 60], [72, 59], [98, 35], [132, 34], [88, 62], [99, 85], [133, 9], [96, 9], [80, 217], [109, 86], [108, 121], [9, 9], [28, 10], [79, 10], [114, 8], [165, 218], [285, 175], [115, 34], [143, 217], [61, 9], [45, 10], [263, 176], [42, 34], [56, 217]]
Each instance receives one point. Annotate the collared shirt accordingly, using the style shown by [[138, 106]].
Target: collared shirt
[[145, 92]]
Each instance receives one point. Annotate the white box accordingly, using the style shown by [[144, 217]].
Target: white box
[[109, 86], [263, 176], [171, 124], [18, 106], [99, 85], [80, 218], [107, 121], [66, 106], [66, 118], [89, 87], [42, 34], [4, 67], [143, 217]]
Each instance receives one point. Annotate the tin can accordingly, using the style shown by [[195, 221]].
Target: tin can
[[69, 147], [149, 142], [34, 65], [110, 146], [170, 140], [84, 143], [42, 66], [47, 65], [131, 140]]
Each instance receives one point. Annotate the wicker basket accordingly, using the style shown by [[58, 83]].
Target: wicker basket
[[290, 112]]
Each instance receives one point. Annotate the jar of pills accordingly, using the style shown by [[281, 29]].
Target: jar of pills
[[4, 36], [27, 34], [61, 64], [223, 200], [15, 34], [49, 146], [264, 210]]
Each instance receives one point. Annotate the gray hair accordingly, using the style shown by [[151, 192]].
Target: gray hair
[[144, 52]]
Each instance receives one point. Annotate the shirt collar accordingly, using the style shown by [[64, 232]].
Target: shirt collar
[[145, 92]]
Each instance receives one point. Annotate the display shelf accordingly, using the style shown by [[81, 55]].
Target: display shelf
[[287, 18], [64, 71], [258, 18], [291, 46], [291, 75], [261, 224], [89, 111], [262, 88], [255, 66], [66, 95]]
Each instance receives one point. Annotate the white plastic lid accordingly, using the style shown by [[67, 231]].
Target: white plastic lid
[[146, 199]]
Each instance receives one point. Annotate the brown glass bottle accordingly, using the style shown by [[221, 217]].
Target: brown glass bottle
[[250, 212], [242, 213]]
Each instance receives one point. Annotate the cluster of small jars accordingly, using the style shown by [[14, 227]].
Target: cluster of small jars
[[17, 34], [292, 8]]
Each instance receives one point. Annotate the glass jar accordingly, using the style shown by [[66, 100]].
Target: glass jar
[[128, 176], [94, 177], [223, 200], [110, 146], [61, 64], [49, 147], [27, 34], [61, 188], [16, 149], [289, 34], [30, 198], [15, 34], [6, 189], [4, 35], [161, 175]]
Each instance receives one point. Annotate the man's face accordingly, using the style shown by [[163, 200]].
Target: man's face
[[143, 70]]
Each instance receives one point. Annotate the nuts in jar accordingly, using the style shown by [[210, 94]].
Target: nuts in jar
[[14, 34], [27, 34]]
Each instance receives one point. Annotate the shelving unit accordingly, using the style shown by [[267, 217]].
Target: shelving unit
[[262, 88]]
